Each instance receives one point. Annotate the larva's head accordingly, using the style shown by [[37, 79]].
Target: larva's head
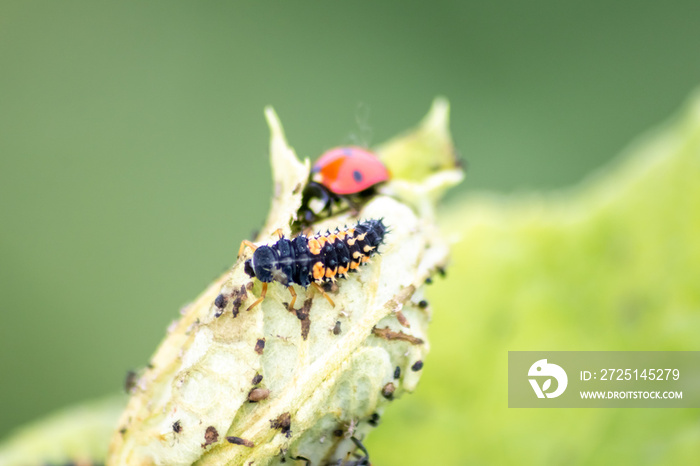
[[262, 264]]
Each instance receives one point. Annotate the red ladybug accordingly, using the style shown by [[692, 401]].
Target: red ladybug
[[343, 173], [348, 170]]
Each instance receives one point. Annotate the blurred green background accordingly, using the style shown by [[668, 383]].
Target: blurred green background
[[133, 149]]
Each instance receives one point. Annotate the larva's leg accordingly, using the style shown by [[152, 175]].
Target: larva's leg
[[294, 298], [320, 290], [261, 298], [245, 243]]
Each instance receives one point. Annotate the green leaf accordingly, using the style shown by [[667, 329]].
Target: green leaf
[[611, 264]]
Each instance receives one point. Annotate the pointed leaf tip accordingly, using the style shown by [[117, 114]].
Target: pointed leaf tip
[[424, 151], [289, 175], [438, 117]]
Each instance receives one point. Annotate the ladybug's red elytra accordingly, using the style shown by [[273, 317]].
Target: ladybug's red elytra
[[348, 170], [343, 174]]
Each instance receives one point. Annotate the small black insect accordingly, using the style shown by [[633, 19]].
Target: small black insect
[[220, 301], [130, 381]]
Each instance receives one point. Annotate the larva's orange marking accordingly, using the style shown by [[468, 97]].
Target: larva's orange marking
[[318, 271], [314, 247]]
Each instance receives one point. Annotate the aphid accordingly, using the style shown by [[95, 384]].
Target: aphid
[[240, 441], [348, 173], [313, 260], [220, 301], [258, 394], [130, 381], [388, 391], [282, 422], [210, 436], [260, 345]]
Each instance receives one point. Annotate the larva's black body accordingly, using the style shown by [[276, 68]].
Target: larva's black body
[[321, 258]]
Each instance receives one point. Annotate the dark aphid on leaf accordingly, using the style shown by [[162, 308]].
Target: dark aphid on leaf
[[315, 260]]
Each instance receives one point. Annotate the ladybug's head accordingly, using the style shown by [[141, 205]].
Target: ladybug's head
[[262, 264]]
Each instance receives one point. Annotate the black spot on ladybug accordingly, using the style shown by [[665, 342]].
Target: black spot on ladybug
[[418, 365], [357, 176], [397, 372]]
